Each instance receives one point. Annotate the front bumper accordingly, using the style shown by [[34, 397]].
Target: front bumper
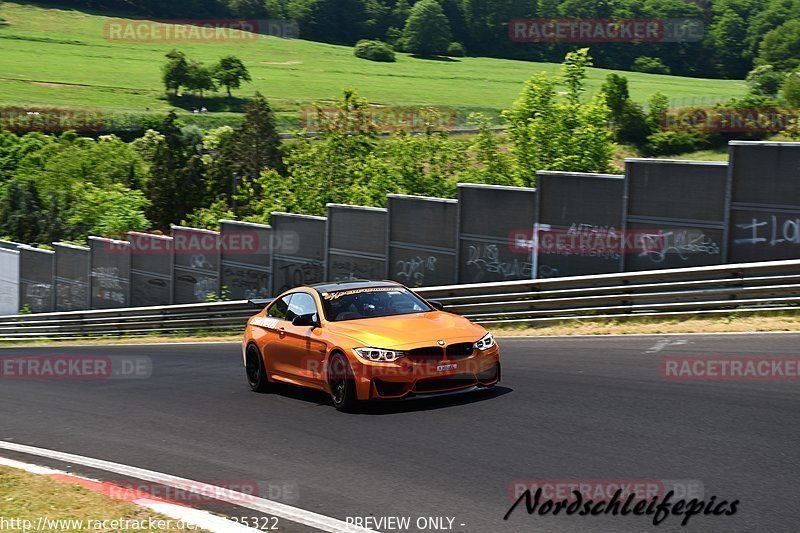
[[406, 378]]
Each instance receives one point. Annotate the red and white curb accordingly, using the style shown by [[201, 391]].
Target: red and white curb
[[210, 522], [191, 517]]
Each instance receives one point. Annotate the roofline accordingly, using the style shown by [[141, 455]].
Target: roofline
[[195, 230], [763, 143], [561, 173], [152, 235], [72, 246], [496, 187], [248, 224], [296, 215], [358, 207], [422, 198], [365, 282], [675, 161]]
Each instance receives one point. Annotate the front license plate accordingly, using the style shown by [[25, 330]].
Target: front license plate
[[445, 368]]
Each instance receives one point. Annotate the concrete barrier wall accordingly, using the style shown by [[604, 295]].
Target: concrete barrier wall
[[9, 281], [110, 273], [299, 251], [764, 206], [36, 282], [196, 254], [661, 214], [675, 213], [423, 237], [246, 260], [579, 219], [495, 226], [151, 269], [71, 277], [356, 243]]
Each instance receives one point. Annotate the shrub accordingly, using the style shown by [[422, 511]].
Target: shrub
[[427, 31], [631, 125], [790, 90], [456, 50], [375, 51], [628, 119], [650, 65], [764, 80], [674, 142], [779, 47]]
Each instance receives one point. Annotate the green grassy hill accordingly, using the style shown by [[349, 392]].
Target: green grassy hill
[[62, 58]]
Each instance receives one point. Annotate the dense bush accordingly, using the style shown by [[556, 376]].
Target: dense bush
[[764, 80], [650, 65], [375, 51], [551, 133], [790, 90], [673, 142], [427, 31], [456, 50], [628, 119], [781, 46]]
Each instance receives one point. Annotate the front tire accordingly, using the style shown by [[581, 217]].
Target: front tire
[[342, 384], [255, 369]]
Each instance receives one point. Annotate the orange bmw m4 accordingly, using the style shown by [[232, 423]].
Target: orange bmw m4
[[366, 340]]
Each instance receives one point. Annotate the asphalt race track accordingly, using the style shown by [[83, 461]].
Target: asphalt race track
[[567, 409]]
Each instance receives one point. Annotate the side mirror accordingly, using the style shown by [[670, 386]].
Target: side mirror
[[437, 305], [306, 321]]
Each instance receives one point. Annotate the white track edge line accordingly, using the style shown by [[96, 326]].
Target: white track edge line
[[287, 512], [195, 517]]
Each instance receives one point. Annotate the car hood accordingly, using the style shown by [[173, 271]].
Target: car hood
[[409, 331]]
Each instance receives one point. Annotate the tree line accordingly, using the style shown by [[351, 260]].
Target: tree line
[[738, 34], [66, 187], [181, 72]]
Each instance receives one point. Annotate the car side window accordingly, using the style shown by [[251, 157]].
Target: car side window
[[280, 308], [302, 304]]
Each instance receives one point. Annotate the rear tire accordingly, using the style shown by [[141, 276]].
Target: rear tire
[[342, 384], [255, 369]]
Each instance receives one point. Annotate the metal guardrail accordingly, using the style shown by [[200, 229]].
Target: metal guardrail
[[738, 288]]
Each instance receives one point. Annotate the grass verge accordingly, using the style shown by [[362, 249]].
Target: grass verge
[[64, 57], [653, 326], [25, 496]]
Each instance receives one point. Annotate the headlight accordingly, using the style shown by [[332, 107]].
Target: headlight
[[379, 355], [486, 342]]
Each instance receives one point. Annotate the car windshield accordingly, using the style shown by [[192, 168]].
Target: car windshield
[[371, 302]]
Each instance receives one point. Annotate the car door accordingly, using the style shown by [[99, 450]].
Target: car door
[[305, 349], [274, 326]]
